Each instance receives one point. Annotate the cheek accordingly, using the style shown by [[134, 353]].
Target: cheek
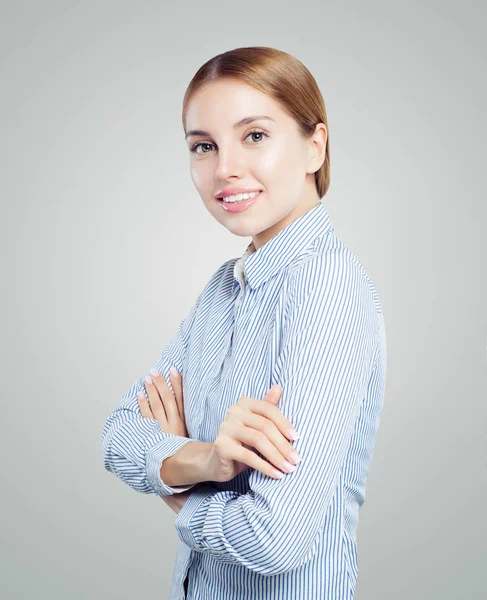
[[281, 169], [274, 159], [197, 177], [202, 172], [203, 182]]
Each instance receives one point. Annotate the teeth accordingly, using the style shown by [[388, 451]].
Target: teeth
[[240, 197]]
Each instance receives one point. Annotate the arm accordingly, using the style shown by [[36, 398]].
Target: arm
[[177, 501], [330, 347], [189, 466], [135, 448]]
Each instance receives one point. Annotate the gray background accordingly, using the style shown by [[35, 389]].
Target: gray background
[[106, 244]]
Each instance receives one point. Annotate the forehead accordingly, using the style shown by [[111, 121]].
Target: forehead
[[225, 101]]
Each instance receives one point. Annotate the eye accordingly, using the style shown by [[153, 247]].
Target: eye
[[256, 132], [253, 132], [194, 148]]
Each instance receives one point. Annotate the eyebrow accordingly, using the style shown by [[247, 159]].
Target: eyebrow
[[244, 121]]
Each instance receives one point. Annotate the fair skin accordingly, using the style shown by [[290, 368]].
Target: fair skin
[[278, 161], [249, 424], [168, 410], [272, 156]]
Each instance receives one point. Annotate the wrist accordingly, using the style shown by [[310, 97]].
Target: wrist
[[208, 462], [189, 465]]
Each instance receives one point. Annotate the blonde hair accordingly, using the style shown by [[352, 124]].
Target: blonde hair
[[282, 77]]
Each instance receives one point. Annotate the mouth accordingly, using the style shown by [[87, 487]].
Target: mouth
[[241, 205]]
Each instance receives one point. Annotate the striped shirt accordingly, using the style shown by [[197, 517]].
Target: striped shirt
[[301, 312]]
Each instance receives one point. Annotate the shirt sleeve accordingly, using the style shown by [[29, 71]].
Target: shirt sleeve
[[330, 347], [134, 447]]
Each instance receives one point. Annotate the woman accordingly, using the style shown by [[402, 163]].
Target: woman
[[289, 335]]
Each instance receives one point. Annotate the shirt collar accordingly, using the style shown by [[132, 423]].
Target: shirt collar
[[258, 266]]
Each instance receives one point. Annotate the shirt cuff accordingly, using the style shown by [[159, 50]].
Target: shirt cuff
[[198, 519], [154, 458]]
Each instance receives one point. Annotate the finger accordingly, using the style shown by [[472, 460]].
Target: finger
[[145, 409], [258, 440], [155, 402], [177, 386], [250, 458], [271, 412], [165, 395], [274, 394], [279, 442]]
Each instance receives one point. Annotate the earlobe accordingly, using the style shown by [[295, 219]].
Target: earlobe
[[316, 159]]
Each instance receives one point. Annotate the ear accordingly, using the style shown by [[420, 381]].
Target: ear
[[317, 148]]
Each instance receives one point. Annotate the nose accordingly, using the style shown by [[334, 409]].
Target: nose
[[230, 163]]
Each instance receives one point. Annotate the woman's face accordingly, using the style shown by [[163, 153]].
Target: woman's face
[[266, 154]]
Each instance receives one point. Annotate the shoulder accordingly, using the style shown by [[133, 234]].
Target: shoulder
[[331, 294], [223, 274], [218, 286], [332, 269]]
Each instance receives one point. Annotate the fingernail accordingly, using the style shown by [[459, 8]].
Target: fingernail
[[154, 372], [294, 456], [174, 372], [148, 379], [288, 467], [294, 434]]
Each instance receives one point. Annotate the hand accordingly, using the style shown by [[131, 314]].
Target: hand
[[260, 425], [161, 404]]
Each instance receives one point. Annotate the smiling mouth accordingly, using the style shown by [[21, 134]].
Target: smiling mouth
[[250, 196], [239, 206]]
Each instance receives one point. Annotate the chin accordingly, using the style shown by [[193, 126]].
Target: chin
[[240, 229]]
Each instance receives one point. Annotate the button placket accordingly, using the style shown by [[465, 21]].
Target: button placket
[[238, 304]]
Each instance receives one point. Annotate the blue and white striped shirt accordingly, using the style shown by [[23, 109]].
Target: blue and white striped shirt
[[301, 312]]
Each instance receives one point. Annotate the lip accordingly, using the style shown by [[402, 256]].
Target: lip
[[238, 207], [236, 190]]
